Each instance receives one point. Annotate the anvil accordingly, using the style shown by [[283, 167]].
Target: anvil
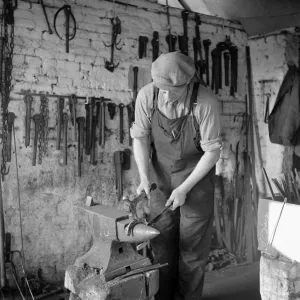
[[112, 254]]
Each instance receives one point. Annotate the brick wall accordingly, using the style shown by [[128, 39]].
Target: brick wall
[[279, 279], [53, 235]]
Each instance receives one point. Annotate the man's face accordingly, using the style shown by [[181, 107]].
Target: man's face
[[172, 95]]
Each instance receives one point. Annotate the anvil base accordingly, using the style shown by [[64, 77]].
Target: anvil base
[[88, 285]]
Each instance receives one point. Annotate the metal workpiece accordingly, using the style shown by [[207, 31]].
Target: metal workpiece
[[140, 232]]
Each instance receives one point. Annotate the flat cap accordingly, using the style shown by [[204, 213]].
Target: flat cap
[[172, 71]]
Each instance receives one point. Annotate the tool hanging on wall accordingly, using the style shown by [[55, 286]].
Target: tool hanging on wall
[[129, 119], [93, 136], [65, 138], [103, 108], [80, 121], [111, 110], [88, 127], [46, 17], [44, 130], [197, 47], [118, 161], [170, 39], [70, 22], [234, 69], [28, 104], [116, 29], [121, 106], [155, 45], [121, 162], [206, 44], [60, 108], [216, 81], [37, 120], [72, 108], [216, 56], [143, 41], [135, 90], [10, 123], [183, 39], [226, 67]]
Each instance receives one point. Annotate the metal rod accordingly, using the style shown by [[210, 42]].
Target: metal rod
[[101, 99], [2, 230], [276, 225], [269, 184], [216, 21]]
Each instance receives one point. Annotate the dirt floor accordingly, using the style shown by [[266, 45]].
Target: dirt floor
[[231, 283]]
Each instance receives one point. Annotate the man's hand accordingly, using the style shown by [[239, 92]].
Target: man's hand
[[145, 186], [177, 197]]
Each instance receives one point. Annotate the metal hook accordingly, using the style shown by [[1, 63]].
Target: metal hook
[[244, 116], [4, 171]]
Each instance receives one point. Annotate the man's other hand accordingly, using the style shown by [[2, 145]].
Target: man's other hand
[[177, 197]]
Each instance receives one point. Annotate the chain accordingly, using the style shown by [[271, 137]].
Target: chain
[[43, 129], [7, 66]]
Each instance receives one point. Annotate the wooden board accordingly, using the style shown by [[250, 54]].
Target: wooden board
[[287, 238]]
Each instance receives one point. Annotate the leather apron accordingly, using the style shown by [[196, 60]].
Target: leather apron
[[185, 236]]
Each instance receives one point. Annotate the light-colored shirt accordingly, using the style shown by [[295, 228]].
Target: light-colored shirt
[[206, 112]]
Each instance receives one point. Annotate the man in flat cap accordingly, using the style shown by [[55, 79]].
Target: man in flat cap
[[176, 145]]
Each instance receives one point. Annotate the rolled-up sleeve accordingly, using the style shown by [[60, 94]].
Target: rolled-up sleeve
[[142, 125], [208, 117]]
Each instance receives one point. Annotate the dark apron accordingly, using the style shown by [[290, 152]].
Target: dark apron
[[185, 236]]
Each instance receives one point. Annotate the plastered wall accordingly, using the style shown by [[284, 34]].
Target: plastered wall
[[53, 235], [270, 57]]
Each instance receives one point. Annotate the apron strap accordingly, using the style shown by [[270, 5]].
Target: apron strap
[[194, 95], [154, 99]]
